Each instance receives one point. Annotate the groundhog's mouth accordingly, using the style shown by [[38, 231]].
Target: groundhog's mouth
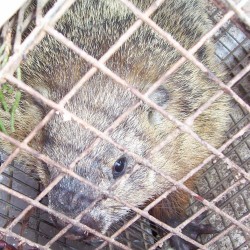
[[79, 236], [73, 236], [86, 237], [74, 233]]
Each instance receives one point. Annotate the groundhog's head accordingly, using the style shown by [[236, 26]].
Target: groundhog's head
[[99, 104]]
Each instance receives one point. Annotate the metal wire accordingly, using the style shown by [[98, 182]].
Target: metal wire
[[45, 25]]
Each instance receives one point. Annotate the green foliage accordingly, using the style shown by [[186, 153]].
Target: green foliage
[[9, 96], [10, 100]]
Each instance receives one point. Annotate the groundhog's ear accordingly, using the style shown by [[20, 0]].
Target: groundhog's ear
[[160, 97]]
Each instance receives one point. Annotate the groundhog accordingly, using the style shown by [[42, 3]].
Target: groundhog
[[53, 69]]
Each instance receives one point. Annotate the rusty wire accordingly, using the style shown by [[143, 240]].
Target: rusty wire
[[183, 126], [44, 24], [185, 178], [240, 13], [35, 36], [22, 85], [121, 40]]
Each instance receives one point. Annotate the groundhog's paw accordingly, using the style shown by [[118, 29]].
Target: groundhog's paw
[[192, 230]]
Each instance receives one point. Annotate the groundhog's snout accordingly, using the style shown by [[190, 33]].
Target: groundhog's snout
[[69, 202], [71, 197]]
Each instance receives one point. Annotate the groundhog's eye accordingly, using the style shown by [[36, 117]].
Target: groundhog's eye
[[119, 167]]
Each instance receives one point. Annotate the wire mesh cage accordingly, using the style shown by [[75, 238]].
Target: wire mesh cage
[[222, 193]]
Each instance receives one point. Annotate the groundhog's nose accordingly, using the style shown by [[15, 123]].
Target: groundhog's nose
[[71, 198]]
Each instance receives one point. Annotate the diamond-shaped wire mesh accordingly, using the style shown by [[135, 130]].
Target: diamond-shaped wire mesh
[[233, 50]]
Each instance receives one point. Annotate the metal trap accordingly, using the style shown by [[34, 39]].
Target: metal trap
[[227, 186]]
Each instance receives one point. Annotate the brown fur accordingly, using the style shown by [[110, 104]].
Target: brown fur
[[53, 69]]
